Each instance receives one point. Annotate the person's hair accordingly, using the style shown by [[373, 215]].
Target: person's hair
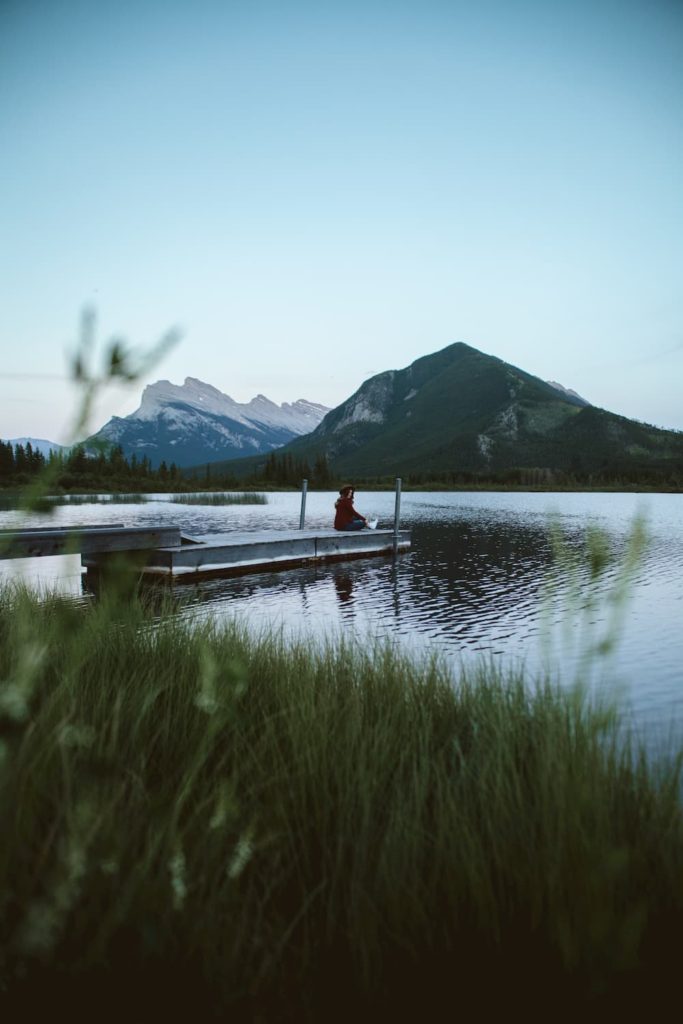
[[345, 488]]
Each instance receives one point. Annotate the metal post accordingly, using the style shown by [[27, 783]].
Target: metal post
[[397, 513], [304, 489]]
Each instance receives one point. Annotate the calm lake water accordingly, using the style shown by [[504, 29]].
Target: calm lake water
[[482, 581]]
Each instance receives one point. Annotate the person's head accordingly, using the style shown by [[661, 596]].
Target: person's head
[[346, 491]]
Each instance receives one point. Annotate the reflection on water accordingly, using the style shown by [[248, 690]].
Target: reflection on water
[[475, 582], [343, 584]]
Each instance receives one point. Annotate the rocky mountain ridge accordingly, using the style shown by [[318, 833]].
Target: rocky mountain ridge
[[196, 423]]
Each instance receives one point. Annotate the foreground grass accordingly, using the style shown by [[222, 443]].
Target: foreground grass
[[209, 823]]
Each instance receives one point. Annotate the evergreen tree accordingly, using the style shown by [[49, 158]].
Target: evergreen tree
[[20, 461], [117, 460], [7, 467], [270, 471], [321, 471], [77, 462]]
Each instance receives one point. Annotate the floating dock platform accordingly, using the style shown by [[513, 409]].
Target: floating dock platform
[[169, 552], [241, 552]]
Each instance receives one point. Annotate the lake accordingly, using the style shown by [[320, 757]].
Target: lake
[[481, 581]]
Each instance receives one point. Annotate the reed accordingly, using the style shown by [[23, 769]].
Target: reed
[[220, 498], [96, 499], [201, 819]]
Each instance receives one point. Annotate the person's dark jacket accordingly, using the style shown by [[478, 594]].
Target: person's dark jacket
[[345, 513]]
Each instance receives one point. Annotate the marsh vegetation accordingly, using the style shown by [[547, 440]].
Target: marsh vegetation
[[219, 498]]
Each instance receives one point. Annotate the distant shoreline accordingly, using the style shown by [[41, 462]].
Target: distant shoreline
[[8, 492]]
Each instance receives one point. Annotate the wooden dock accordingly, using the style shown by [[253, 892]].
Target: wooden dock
[[168, 552]]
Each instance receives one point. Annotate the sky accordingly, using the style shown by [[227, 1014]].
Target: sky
[[313, 193]]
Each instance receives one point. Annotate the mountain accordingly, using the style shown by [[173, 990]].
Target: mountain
[[462, 411], [38, 444], [195, 423]]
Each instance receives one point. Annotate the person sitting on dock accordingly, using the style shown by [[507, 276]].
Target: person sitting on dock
[[346, 517]]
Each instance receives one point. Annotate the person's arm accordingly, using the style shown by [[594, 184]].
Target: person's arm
[[357, 514]]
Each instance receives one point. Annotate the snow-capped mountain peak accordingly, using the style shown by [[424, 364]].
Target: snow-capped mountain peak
[[194, 422], [194, 393]]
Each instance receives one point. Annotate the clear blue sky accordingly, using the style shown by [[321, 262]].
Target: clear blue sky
[[315, 192]]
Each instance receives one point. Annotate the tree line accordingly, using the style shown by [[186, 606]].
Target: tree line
[[286, 471], [538, 478], [278, 470], [108, 469], [19, 463]]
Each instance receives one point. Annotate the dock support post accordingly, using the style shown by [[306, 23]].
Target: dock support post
[[304, 489], [397, 513]]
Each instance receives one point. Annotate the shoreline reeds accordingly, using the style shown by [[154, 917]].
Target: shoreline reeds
[[219, 498]]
